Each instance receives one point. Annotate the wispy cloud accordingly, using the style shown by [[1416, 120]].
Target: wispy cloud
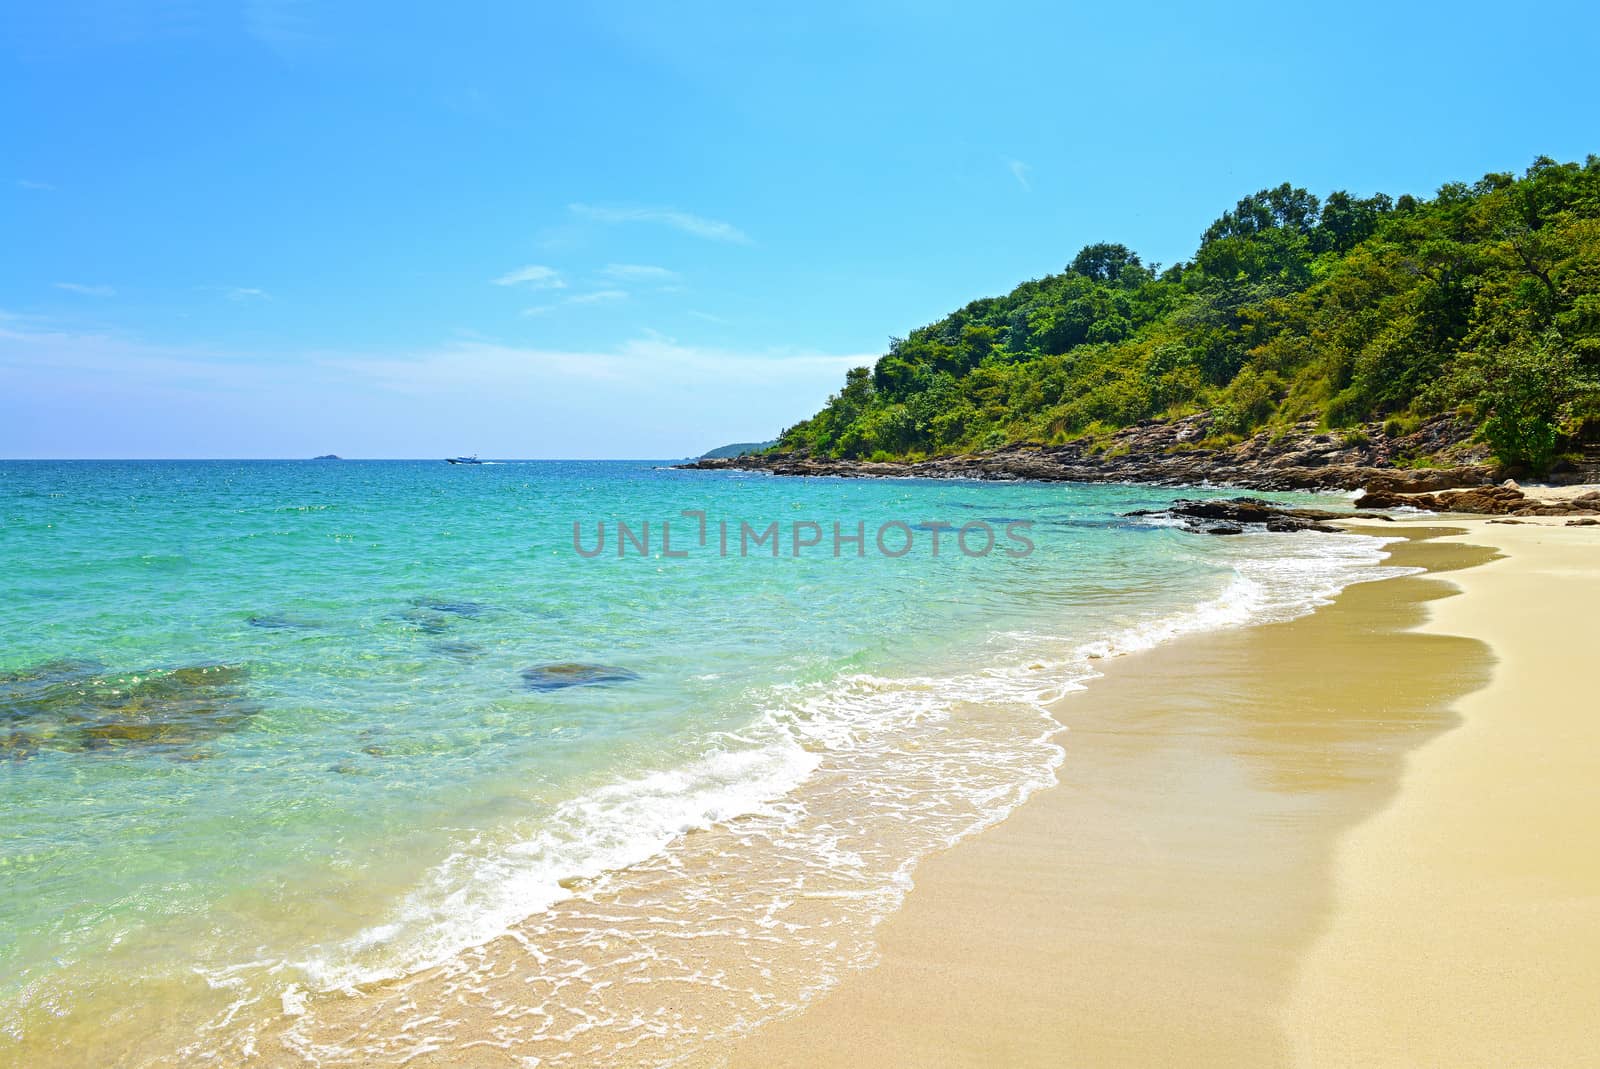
[[29, 183], [534, 277], [1020, 171], [87, 291], [56, 379], [466, 366], [596, 297], [639, 273], [284, 26], [236, 293], [697, 225], [708, 317], [37, 344]]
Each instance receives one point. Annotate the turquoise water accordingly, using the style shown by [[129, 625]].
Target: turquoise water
[[273, 729]]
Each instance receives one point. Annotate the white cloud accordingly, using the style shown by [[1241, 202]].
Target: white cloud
[[246, 293], [87, 291], [534, 277], [28, 183], [80, 356], [1019, 171], [708, 317], [597, 297], [639, 273], [699, 226], [649, 397]]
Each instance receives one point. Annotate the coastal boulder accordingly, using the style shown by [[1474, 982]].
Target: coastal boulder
[[1507, 499], [1425, 480], [1384, 499], [1238, 514]]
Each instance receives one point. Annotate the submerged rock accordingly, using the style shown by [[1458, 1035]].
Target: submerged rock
[[455, 608], [429, 623], [45, 675], [461, 651], [76, 705], [269, 621], [557, 676]]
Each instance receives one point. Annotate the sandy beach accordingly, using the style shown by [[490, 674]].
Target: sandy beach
[[1357, 838], [1467, 922]]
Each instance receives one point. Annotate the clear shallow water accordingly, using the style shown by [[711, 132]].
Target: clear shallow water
[[321, 767]]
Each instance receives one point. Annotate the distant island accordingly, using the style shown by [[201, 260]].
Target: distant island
[[328, 456], [738, 449], [1439, 329]]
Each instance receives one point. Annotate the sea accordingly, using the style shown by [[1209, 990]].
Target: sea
[[532, 763]]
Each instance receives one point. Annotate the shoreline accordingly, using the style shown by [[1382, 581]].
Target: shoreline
[[1185, 452], [733, 977], [1178, 896], [1189, 893]]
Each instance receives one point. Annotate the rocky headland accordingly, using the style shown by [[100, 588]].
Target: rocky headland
[[1415, 469]]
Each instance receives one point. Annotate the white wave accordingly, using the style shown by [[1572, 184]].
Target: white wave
[[486, 886], [901, 757]]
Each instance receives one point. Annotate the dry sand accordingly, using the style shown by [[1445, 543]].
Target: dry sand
[[1359, 838], [1467, 931]]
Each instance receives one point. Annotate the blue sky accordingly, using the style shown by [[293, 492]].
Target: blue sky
[[280, 228]]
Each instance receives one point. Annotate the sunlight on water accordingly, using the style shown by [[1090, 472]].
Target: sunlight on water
[[276, 731]]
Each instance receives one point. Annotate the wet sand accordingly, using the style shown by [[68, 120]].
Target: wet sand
[[1349, 839], [1358, 838]]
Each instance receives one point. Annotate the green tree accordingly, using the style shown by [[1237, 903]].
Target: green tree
[[1482, 300], [1529, 389]]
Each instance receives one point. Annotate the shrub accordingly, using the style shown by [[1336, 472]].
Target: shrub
[[1525, 397], [1249, 400], [1401, 426]]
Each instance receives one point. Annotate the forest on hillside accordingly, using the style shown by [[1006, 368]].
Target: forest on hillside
[[1483, 300]]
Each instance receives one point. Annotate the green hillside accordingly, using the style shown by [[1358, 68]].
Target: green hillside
[[1484, 300], [737, 449]]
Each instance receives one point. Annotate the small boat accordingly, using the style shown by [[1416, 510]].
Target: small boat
[[462, 460]]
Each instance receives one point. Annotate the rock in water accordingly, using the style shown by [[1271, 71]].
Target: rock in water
[[277, 622], [1234, 515], [558, 676], [458, 608], [75, 705], [429, 623], [461, 651]]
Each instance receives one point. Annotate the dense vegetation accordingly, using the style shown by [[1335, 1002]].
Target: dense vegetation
[[1484, 300]]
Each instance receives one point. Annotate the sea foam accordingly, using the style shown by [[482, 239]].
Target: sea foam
[[820, 810]]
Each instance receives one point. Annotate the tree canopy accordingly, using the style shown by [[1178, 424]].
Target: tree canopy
[[1483, 300]]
